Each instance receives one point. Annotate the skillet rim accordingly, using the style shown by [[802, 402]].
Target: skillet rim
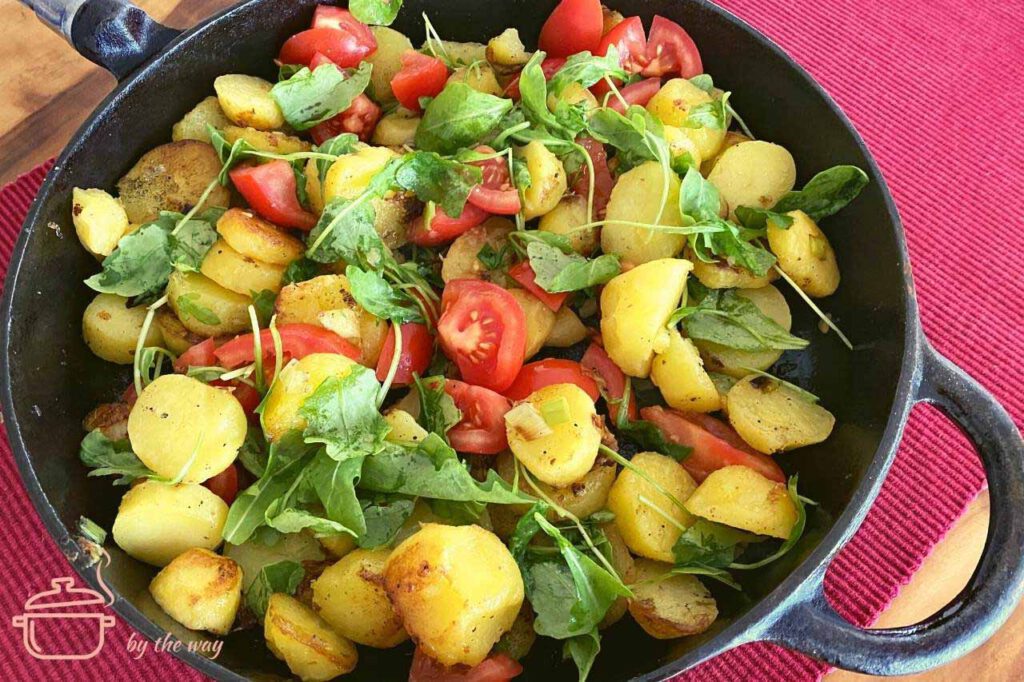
[[747, 628]]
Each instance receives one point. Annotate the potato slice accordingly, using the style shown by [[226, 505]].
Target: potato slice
[[566, 218], [738, 363], [720, 275], [396, 129], [773, 417], [266, 141], [193, 126], [548, 180], [806, 255], [177, 337], [755, 174], [350, 596], [667, 608], [259, 239], [297, 382], [200, 589], [350, 175], [679, 373], [231, 309], [300, 638], [100, 220], [636, 198], [111, 329], [241, 274], [568, 329], [171, 177], [461, 261], [624, 565], [740, 497], [386, 61], [540, 320], [246, 101]]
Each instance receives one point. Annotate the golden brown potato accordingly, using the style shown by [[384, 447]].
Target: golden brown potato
[[672, 105], [231, 309], [241, 274], [171, 177], [193, 126], [350, 596], [636, 198], [111, 329], [393, 215], [540, 320], [583, 497], [314, 189], [157, 522], [742, 498], [566, 219], [99, 219], [773, 417], [200, 589], [338, 545], [266, 141], [297, 382], [386, 61], [456, 588], [480, 76], [396, 129], [622, 561], [679, 372], [461, 261], [246, 101], [259, 239], [737, 363], [464, 53], [568, 329], [177, 337], [300, 638], [753, 173], [548, 181], [732, 139], [720, 275], [666, 608], [350, 175], [806, 255], [507, 49]]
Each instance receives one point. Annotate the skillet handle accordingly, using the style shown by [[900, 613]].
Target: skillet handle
[[810, 625], [115, 34]]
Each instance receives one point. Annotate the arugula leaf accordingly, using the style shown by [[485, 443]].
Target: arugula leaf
[[112, 458], [438, 412], [352, 238], [583, 649], [311, 97], [263, 302], [384, 516], [375, 12], [533, 98], [190, 308], [194, 238], [443, 181], [286, 71], [758, 218], [826, 193], [638, 136], [586, 69], [524, 238], [285, 519], [281, 577], [493, 259], [139, 265], [342, 414], [650, 437], [299, 271], [556, 271], [253, 453], [379, 298], [698, 198], [704, 82], [709, 544], [713, 114], [729, 319], [794, 536], [339, 145], [459, 117], [229, 154], [334, 483]]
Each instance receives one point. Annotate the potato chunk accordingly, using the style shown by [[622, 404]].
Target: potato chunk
[[111, 329], [773, 417], [548, 181], [738, 363], [806, 255], [635, 307], [540, 320], [254, 237], [644, 529], [720, 275], [157, 522], [679, 373], [507, 49], [177, 337], [350, 175], [623, 563], [480, 77], [461, 261], [193, 126], [740, 497], [239, 273], [386, 61], [246, 101], [568, 329], [200, 589], [636, 198], [350, 596], [755, 174], [100, 220], [456, 588], [396, 129], [672, 105], [297, 382], [566, 219], [672, 607], [171, 177], [311, 649], [230, 308], [266, 141]]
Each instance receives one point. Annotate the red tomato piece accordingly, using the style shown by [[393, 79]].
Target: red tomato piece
[[420, 76], [417, 350], [326, 16], [247, 396], [225, 484], [671, 51], [129, 396], [297, 341], [496, 194], [443, 228], [715, 444], [483, 330], [639, 93], [360, 118], [270, 189], [199, 355], [494, 668], [603, 180], [549, 66], [524, 274], [482, 428], [536, 375], [573, 26], [629, 39], [343, 47], [610, 378]]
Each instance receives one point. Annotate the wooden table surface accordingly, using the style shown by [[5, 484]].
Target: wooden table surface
[[49, 90]]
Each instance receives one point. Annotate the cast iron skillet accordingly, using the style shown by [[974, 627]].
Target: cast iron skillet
[[50, 379]]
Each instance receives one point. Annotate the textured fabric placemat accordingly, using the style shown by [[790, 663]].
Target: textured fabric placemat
[[934, 88]]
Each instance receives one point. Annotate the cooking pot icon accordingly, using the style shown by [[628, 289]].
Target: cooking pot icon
[[64, 623]]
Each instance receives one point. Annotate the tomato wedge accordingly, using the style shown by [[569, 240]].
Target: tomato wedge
[[297, 341], [603, 180], [417, 350], [225, 484], [482, 428], [326, 16], [524, 274], [483, 330], [360, 119], [573, 26], [199, 355], [270, 189], [715, 444], [420, 76], [536, 375], [610, 378], [629, 39], [639, 93], [442, 228], [494, 668], [671, 51], [496, 194], [336, 34], [549, 66]]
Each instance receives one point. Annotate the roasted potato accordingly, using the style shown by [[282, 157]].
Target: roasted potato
[[540, 320], [582, 497], [645, 529], [679, 372], [157, 522], [396, 129], [305, 642], [297, 382], [507, 49], [479, 76], [636, 198], [176, 336], [231, 309], [680, 143], [754, 173], [193, 126], [622, 561], [180, 422], [350, 596], [386, 61], [566, 219], [732, 139], [548, 181], [266, 141], [338, 545], [734, 362], [199, 589], [666, 608], [404, 427], [635, 307], [806, 255], [350, 175], [393, 214], [773, 417], [463, 53], [171, 177], [111, 329], [457, 589], [672, 105], [252, 555], [568, 329], [100, 220], [247, 102], [740, 497], [241, 274], [259, 239], [461, 261]]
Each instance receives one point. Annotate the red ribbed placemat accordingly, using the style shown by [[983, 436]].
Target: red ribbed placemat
[[934, 87]]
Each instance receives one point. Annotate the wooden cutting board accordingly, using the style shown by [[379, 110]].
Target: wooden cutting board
[[49, 90]]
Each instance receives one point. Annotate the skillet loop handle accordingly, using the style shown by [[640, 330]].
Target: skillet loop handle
[[810, 624]]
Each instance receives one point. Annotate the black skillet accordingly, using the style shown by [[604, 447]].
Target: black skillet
[[50, 379]]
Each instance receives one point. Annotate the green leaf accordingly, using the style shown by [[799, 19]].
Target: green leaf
[[112, 458], [381, 299], [443, 181], [375, 12], [650, 437], [704, 82], [638, 136], [189, 307], [713, 115], [438, 412], [189, 246], [335, 485], [459, 117], [586, 69], [299, 271], [794, 535], [493, 259], [457, 513], [139, 265], [729, 319], [352, 236], [342, 414], [339, 145], [229, 154], [709, 544], [311, 97], [289, 520], [281, 577], [263, 302], [556, 271], [384, 518], [758, 218], [583, 649], [826, 193], [698, 198], [253, 453]]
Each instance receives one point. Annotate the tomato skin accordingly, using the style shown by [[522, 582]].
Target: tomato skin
[[482, 428], [297, 341], [715, 444], [483, 330], [420, 76], [603, 369], [639, 93], [524, 274], [417, 350], [443, 228], [549, 66], [326, 16], [198, 355], [671, 51], [343, 47], [494, 668], [603, 180], [629, 39], [573, 26], [271, 191], [225, 484], [536, 375], [496, 194], [360, 119]]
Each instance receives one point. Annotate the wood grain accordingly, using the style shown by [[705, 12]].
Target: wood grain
[[49, 90]]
